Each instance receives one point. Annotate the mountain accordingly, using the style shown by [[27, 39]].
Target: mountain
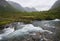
[[16, 6], [13, 6], [20, 8], [5, 6], [30, 9], [56, 6]]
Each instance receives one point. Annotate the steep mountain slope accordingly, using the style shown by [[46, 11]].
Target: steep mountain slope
[[13, 6], [56, 6], [16, 6], [20, 8], [5, 6]]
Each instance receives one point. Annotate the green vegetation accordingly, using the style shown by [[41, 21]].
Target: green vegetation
[[8, 17], [7, 8], [9, 14]]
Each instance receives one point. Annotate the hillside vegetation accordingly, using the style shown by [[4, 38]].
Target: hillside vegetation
[[9, 14], [7, 17]]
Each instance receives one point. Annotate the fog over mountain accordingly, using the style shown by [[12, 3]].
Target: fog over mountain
[[40, 5], [20, 8], [56, 4], [3, 3], [5, 6], [30, 9], [16, 5], [13, 6]]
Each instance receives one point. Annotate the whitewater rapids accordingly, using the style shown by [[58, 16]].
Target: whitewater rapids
[[21, 30], [10, 32]]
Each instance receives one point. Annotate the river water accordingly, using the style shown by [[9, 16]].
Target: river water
[[19, 31]]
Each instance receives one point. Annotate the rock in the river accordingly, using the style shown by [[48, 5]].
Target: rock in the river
[[35, 37]]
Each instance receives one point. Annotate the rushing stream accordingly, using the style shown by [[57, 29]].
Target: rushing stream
[[36, 31]]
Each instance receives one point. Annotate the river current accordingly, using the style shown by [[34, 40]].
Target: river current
[[18, 31]]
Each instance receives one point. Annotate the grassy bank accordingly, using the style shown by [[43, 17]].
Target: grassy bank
[[27, 17]]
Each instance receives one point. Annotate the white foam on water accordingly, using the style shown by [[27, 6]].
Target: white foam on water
[[27, 29], [47, 25], [9, 32], [30, 27], [6, 32], [0, 38], [56, 20], [32, 34], [48, 31]]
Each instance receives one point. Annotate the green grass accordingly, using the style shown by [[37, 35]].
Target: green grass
[[8, 17]]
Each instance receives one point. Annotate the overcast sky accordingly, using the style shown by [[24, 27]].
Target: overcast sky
[[38, 4]]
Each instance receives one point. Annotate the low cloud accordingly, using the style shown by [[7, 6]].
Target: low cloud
[[38, 4]]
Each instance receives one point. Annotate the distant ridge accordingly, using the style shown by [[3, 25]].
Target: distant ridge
[[5, 6], [56, 6], [20, 8], [10, 6], [16, 6], [30, 9]]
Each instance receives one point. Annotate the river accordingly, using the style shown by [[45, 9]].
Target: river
[[45, 30]]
